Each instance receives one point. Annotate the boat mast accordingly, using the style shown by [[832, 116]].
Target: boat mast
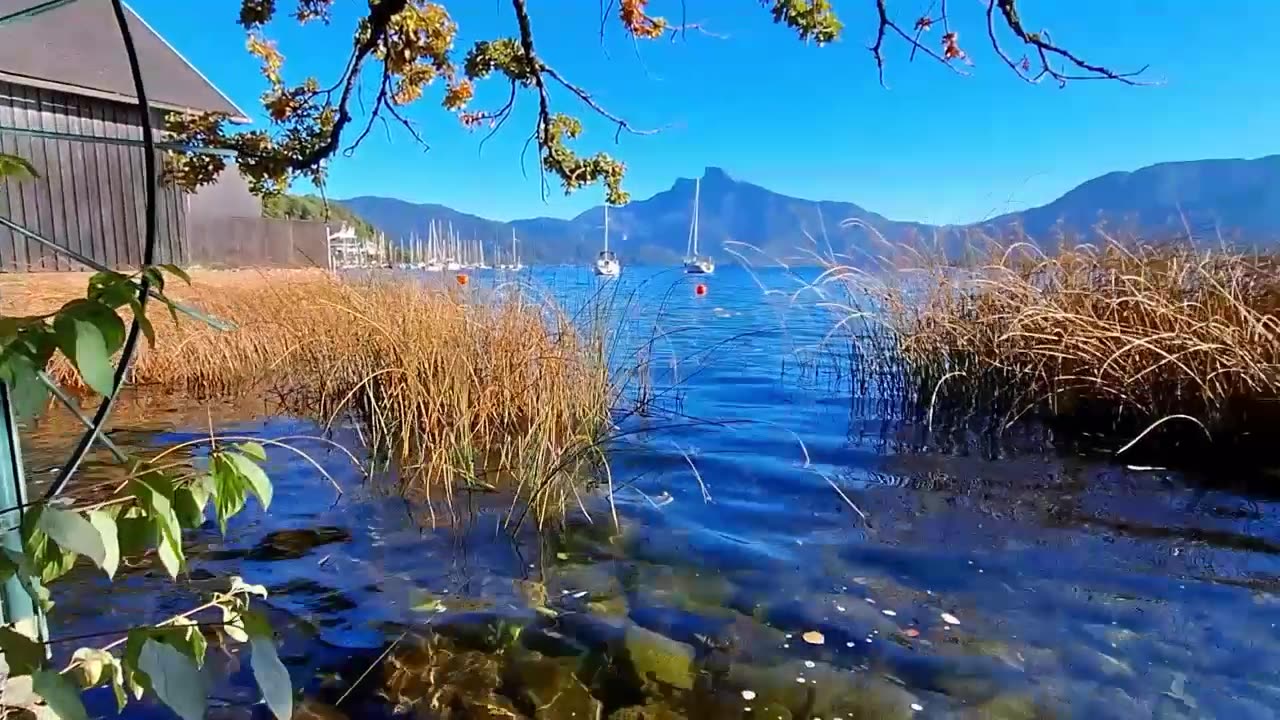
[[697, 192], [606, 228]]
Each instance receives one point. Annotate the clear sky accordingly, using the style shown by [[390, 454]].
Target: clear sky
[[807, 121]]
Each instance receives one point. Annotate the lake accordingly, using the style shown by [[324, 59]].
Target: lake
[[784, 551]]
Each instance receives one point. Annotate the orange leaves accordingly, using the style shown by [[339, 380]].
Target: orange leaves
[[951, 47], [639, 23], [265, 50], [458, 95]]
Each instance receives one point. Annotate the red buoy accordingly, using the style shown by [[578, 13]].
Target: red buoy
[[462, 278], [700, 289]]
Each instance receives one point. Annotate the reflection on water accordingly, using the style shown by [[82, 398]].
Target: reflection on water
[[1032, 586]]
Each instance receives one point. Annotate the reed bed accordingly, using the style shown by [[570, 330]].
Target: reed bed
[[1116, 340], [454, 386]]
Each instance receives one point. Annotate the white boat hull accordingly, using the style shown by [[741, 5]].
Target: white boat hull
[[699, 267], [608, 268]]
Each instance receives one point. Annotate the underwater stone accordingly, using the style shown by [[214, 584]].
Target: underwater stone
[[550, 687], [658, 658]]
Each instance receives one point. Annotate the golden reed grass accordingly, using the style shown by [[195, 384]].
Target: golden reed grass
[[1109, 339], [458, 386]]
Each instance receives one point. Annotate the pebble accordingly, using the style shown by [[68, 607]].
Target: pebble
[[813, 637], [890, 613], [917, 707], [950, 619], [809, 664], [748, 695]]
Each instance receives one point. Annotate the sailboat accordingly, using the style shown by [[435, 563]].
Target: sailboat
[[695, 264], [515, 254], [433, 249], [451, 263], [607, 264]]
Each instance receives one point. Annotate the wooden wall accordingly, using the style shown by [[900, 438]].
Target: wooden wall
[[91, 198]]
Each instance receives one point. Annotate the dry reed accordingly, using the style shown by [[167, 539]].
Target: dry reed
[[1105, 339], [459, 387]]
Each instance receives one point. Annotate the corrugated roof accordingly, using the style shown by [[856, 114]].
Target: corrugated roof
[[77, 48]]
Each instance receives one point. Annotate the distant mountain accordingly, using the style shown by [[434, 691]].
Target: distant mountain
[[1238, 198], [1235, 198]]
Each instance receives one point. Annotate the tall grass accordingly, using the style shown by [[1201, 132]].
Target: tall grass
[[1111, 339], [456, 387]]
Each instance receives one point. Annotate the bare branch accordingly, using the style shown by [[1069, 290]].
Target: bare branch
[[585, 97], [1045, 47]]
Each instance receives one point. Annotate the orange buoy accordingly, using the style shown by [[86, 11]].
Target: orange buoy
[[462, 278], [700, 289]]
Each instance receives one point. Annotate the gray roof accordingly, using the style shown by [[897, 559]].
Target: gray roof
[[77, 48]]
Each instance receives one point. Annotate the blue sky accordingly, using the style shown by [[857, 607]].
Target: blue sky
[[807, 121]]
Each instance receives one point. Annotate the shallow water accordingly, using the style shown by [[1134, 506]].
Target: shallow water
[[1076, 588]]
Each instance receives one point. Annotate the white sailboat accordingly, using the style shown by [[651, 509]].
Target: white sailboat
[[515, 254], [607, 264], [433, 249], [451, 262], [695, 264]]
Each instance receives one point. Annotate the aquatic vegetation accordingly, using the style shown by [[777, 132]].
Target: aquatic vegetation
[[460, 387], [1113, 339]]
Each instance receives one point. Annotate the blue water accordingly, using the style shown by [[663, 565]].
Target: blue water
[[760, 500]]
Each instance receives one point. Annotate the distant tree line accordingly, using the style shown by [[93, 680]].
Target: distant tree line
[[313, 207]]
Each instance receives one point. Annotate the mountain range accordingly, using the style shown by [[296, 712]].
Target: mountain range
[[1234, 199]]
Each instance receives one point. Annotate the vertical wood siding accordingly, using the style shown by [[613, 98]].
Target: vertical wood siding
[[91, 198]]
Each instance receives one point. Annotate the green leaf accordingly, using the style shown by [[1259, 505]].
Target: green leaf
[[48, 561], [93, 663], [26, 572], [233, 624], [154, 277], [82, 341], [254, 450], [154, 491], [268, 671], [106, 527], [144, 324], [190, 509], [228, 490], [170, 552], [23, 654], [73, 532], [103, 317], [112, 289], [27, 392], [175, 679], [253, 474], [117, 687], [137, 535], [12, 166], [177, 272], [135, 677], [62, 696]]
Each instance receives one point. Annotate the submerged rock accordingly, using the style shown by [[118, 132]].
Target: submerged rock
[[657, 658], [1010, 707], [651, 711], [549, 688], [312, 709], [293, 544], [821, 691], [436, 680]]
